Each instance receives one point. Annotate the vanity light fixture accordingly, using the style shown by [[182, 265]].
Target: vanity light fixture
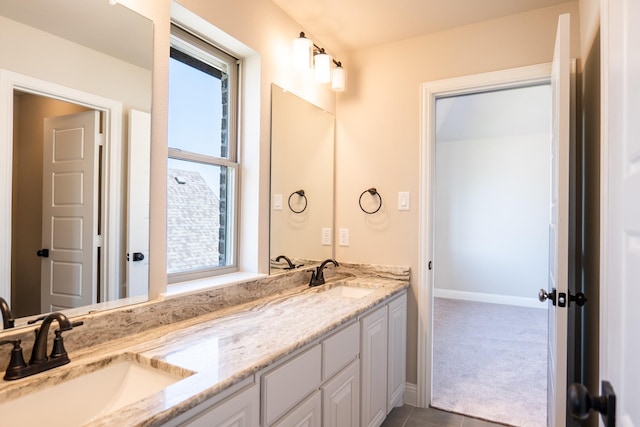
[[303, 51], [322, 67], [339, 79], [113, 2], [302, 48]]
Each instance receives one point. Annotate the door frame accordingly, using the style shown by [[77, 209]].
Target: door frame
[[111, 180], [429, 92]]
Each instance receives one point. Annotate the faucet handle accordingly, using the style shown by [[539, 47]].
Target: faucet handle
[[16, 363], [71, 326], [58, 349], [32, 321]]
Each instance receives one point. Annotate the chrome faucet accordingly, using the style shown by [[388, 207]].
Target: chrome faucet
[[7, 318], [317, 276], [39, 360]]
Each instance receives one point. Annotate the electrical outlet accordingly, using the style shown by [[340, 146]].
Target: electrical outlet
[[344, 237], [326, 237]]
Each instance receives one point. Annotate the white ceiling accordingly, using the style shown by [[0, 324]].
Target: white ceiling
[[345, 25]]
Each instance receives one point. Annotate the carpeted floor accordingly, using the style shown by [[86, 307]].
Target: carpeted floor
[[490, 361]]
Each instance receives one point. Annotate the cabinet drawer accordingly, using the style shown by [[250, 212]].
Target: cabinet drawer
[[289, 383], [340, 349], [308, 413], [240, 409]]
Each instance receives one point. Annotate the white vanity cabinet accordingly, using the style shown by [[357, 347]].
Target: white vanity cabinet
[[352, 377], [382, 360]]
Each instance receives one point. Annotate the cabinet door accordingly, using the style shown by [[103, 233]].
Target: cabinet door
[[239, 410], [373, 359], [397, 351], [341, 398], [306, 414]]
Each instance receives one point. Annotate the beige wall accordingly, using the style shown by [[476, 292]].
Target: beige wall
[[384, 90]]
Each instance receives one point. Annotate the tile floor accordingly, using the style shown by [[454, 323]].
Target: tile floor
[[409, 416]]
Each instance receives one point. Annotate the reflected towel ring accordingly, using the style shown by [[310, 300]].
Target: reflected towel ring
[[301, 194], [373, 192]]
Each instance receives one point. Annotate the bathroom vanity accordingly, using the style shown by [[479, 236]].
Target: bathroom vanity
[[330, 355]]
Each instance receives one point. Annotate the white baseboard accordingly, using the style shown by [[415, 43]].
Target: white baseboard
[[411, 394], [490, 298]]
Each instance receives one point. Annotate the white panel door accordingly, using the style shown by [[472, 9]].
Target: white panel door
[[69, 211], [559, 227], [138, 203], [620, 208]]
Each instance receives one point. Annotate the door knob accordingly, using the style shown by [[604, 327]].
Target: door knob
[[581, 403], [43, 253], [551, 296]]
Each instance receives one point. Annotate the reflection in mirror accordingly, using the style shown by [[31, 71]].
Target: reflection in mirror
[[302, 144], [75, 97]]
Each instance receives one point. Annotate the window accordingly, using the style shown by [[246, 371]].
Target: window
[[202, 168]]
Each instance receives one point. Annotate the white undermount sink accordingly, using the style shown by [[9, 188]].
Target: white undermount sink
[[77, 401], [349, 291]]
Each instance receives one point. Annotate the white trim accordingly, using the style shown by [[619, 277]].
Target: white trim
[[207, 283], [112, 170], [429, 92], [489, 298], [410, 394]]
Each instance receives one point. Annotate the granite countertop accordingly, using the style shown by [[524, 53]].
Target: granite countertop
[[219, 349]]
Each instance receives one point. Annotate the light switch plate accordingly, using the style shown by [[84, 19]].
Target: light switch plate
[[277, 202], [343, 239], [404, 201]]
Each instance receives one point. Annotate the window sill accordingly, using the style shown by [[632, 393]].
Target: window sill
[[199, 285]]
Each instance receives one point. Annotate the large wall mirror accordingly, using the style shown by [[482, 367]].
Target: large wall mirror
[[302, 158], [75, 104]]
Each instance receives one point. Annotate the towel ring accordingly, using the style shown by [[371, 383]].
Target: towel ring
[[373, 192], [301, 194]]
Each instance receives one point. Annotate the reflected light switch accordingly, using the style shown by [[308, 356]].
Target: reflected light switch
[[404, 201], [277, 202]]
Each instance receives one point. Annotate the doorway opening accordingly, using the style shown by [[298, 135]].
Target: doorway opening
[[28, 223], [494, 81], [15, 88], [491, 252]]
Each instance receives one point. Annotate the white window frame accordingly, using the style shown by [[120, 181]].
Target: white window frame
[[198, 48]]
